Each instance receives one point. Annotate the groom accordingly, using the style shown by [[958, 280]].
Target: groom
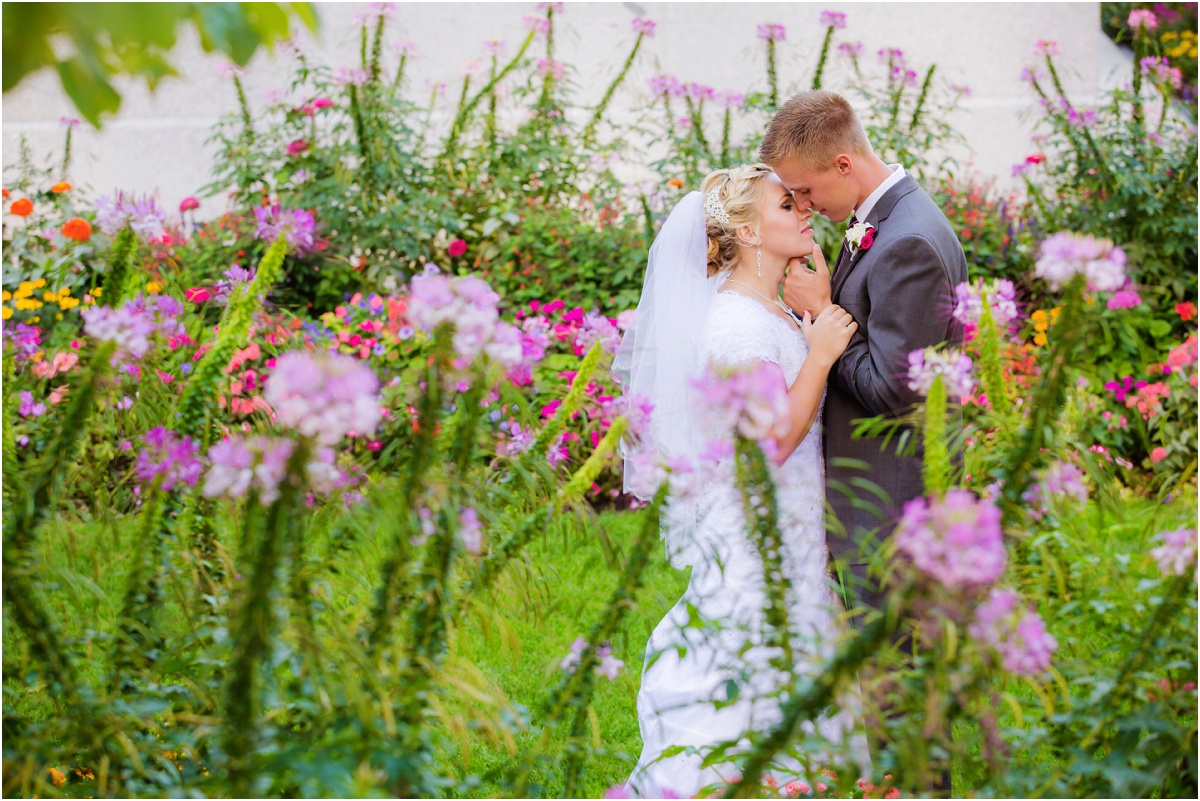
[[895, 274]]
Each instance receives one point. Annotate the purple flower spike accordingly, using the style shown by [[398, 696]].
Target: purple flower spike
[[957, 541], [170, 456], [1015, 633]]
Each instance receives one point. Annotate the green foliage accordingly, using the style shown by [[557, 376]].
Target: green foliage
[[132, 39]]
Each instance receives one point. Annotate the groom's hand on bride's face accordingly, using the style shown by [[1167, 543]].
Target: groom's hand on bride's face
[[806, 289]]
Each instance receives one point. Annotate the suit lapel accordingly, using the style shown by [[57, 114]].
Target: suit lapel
[[846, 261]]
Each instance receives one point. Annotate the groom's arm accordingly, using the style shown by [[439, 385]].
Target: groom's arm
[[910, 291]]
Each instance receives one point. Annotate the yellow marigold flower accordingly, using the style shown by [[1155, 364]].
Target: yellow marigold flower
[[24, 290], [56, 777], [38, 284], [154, 287], [68, 303], [1169, 36], [66, 290], [96, 291], [83, 774], [50, 297], [25, 304], [7, 295], [5, 312]]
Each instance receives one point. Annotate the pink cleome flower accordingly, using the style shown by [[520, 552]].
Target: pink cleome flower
[[956, 541], [324, 396], [1015, 633]]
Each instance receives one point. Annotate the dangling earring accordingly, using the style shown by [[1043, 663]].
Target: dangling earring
[[760, 262]]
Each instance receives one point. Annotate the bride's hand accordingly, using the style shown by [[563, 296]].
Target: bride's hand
[[808, 289], [829, 334]]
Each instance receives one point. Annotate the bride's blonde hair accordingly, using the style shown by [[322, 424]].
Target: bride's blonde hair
[[737, 190]]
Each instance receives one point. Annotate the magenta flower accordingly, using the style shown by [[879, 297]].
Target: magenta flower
[[1142, 18], [28, 408], [956, 541], [1125, 299], [347, 76], [850, 49], [518, 441], [1046, 47], [297, 226], [495, 47], [457, 248], [469, 304], [1161, 69], [537, 24], [608, 667], [27, 339], [140, 214], [325, 396], [749, 399], [1065, 255], [833, 19], [238, 464], [597, 328], [168, 458], [953, 367], [134, 324], [470, 530], [731, 100], [69, 122], [771, 32], [1002, 300], [557, 8], [891, 54], [546, 67], [644, 27], [189, 204], [296, 147], [1056, 482], [1014, 632], [1177, 555]]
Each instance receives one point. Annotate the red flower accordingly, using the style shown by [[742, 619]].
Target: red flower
[[1186, 311], [457, 248], [189, 204], [197, 294], [298, 146], [78, 229], [868, 239], [22, 207], [1036, 158]]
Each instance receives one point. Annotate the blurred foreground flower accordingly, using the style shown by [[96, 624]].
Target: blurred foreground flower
[[609, 665], [751, 399], [1177, 555], [956, 541], [297, 226], [324, 396], [170, 456], [953, 367], [1065, 255], [142, 215], [1016, 633]]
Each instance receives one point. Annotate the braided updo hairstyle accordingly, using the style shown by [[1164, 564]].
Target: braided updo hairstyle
[[738, 189]]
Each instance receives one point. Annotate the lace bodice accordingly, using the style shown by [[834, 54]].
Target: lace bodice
[[739, 330]]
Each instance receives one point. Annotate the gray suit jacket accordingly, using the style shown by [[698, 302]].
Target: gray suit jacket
[[900, 291]]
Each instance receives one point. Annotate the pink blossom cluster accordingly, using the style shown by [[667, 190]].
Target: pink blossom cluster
[[297, 226], [1065, 255], [598, 328], [135, 323], [27, 339], [405, 48], [609, 665], [956, 541], [143, 215], [1014, 632], [833, 19], [1149, 398], [516, 442], [469, 304], [62, 362], [1124, 299], [1161, 69], [1142, 18], [537, 24], [953, 367], [1121, 390], [240, 464], [667, 85], [850, 50], [731, 100], [771, 32], [1046, 47], [1177, 554], [28, 407], [550, 68], [470, 530], [168, 458], [325, 396], [1183, 355], [350, 76], [644, 27], [1002, 300], [1055, 483], [748, 399]]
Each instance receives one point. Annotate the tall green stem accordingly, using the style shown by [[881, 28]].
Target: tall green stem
[[816, 82], [612, 87]]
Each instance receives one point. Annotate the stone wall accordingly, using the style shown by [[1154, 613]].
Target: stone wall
[[157, 143]]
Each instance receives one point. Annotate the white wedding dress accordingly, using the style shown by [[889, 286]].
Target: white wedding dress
[[690, 669]]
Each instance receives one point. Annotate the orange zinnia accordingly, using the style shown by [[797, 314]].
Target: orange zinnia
[[60, 187], [5, 193], [675, 182], [78, 229], [22, 207]]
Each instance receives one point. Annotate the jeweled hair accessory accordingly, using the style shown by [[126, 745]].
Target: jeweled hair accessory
[[714, 209]]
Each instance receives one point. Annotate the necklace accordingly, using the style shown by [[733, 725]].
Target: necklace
[[786, 308]]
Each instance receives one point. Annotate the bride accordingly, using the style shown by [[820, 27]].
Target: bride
[[711, 298]]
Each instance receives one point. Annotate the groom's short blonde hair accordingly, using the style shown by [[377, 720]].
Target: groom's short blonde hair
[[813, 127]]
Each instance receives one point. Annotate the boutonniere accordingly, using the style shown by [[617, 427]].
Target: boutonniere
[[860, 236]]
